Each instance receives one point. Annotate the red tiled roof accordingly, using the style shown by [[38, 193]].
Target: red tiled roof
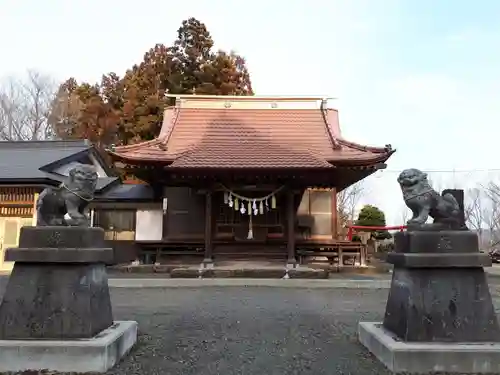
[[251, 138]]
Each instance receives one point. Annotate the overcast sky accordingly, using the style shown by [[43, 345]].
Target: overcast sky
[[421, 75]]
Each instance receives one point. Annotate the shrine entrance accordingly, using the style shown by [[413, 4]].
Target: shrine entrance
[[244, 215]]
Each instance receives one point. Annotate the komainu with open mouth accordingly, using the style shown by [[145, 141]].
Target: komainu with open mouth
[[69, 199], [424, 201]]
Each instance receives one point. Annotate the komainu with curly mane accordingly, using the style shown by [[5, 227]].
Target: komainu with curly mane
[[424, 201], [69, 199]]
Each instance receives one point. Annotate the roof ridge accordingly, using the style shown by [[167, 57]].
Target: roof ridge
[[201, 97], [333, 139], [173, 121], [224, 109]]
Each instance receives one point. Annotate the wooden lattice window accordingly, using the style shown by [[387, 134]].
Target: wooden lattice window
[[17, 202], [16, 195], [14, 211]]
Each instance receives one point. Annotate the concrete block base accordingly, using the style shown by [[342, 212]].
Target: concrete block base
[[97, 354], [424, 358]]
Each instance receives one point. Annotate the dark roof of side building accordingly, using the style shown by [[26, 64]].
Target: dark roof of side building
[[128, 193], [35, 162]]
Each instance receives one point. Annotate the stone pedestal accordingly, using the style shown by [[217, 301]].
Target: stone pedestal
[[439, 302], [58, 292]]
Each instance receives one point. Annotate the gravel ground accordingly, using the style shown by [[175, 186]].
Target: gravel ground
[[251, 331]]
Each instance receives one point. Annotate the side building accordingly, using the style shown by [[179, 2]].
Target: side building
[[26, 168]]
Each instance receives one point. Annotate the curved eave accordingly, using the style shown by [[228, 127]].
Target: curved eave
[[137, 160], [363, 161]]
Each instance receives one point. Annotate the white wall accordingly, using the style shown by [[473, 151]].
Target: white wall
[[149, 225]]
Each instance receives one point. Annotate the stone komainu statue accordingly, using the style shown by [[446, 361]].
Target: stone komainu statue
[[424, 201], [71, 198]]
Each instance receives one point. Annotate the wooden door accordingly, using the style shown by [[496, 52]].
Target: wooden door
[[185, 217]]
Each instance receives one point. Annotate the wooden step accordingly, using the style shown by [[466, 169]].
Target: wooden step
[[256, 248], [245, 252], [249, 256]]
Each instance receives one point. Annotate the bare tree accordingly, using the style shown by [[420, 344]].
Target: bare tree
[[25, 107], [475, 209], [492, 214], [347, 201]]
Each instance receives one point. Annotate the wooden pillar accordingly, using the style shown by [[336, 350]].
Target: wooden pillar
[[92, 216], [290, 215], [164, 218], [35, 213], [208, 228], [335, 219]]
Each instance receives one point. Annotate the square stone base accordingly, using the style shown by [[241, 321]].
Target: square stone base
[[97, 354], [423, 358]]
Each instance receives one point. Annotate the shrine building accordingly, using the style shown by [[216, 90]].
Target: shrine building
[[238, 177], [227, 178]]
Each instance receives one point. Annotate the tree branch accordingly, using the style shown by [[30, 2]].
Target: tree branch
[[25, 107]]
